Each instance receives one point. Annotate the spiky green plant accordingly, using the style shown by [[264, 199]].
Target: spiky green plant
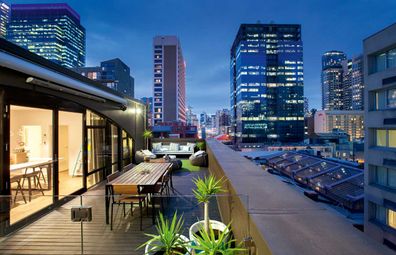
[[147, 134], [211, 244], [204, 190], [167, 238], [201, 145]]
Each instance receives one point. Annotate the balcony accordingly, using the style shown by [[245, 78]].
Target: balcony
[[279, 219]]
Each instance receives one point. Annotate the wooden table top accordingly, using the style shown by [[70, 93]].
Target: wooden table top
[[142, 174]]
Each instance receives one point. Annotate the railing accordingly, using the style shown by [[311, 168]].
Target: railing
[[78, 226]]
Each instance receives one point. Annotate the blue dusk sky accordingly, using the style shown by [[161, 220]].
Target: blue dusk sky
[[207, 28]]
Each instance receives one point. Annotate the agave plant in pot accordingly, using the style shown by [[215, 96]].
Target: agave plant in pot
[[168, 240], [209, 243], [205, 189]]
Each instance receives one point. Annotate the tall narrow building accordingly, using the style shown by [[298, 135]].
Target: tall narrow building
[[267, 86], [169, 92], [357, 83], [332, 80], [4, 18], [52, 31]]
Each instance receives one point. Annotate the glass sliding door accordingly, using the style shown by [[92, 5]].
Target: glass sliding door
[[31, 160], [114, 148], [96, 136], [127, 149], [70, 144]]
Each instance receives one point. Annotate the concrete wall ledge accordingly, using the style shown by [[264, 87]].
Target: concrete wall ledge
[[280, 219]]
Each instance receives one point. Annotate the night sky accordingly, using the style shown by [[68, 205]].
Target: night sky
[[207, 28]]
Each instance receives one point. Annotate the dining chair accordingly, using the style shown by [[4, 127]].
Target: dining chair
[[127, 194]]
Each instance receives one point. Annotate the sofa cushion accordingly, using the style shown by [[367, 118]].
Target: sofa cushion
[[157, 146], [185, 148], [191, 145], [148, 153], [174, 147]]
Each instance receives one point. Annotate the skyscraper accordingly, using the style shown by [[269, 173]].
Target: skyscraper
[[52, 31], [357, 83], [332, 80], [267, 89], [4, 18], [169, 80], [346, 88], [112, 73]]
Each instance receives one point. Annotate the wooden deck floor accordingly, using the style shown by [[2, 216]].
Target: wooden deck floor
[[56, 234]]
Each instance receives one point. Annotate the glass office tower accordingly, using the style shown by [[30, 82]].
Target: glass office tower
[[267, 85], [4, 18], [52, 31]]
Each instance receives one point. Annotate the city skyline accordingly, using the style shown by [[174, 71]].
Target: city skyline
[[325, 29]]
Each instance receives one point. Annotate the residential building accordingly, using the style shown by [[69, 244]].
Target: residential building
[[112, 73], [52, 31], [169, 90], [357, 83], [4, 18], [69, 131], [148, 101], [267, 87], [351, 122], [380, 141], [332, 80]]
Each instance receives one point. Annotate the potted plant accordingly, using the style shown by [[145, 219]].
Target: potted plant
[[168, 240], [201, 145], [147, 134], [210, 244], [205, 189]]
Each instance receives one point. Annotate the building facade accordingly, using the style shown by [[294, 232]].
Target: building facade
[[351, 122], [380, 141], [61, 129], [332, 80], [112, 73], [169, 90], [266, 89], [4, 18], [357, 83], [52, 31], [223, 121]]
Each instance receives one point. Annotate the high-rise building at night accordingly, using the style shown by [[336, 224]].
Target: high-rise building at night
[[52, 31], [332, 80], [223, 121], [357, 83], [113, 73], [267, 84], [346, 84], [342, 82], [380, 140], [169, 80], [4, 18]]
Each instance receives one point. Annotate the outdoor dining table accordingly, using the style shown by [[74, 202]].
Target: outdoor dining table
[[144, 174]]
